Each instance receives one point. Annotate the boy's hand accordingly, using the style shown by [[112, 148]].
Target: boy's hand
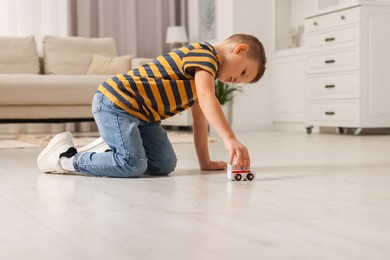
[[238, 151], [212, 111], [214, 166]]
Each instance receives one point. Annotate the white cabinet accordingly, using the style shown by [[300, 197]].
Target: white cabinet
[[288, 61], [288, 86], [347, 77]]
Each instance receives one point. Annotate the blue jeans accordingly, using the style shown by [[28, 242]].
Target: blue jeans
[[139, 148]]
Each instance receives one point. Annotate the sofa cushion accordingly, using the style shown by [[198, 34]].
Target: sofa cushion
[[73, 55], [136, 62], [18, 55], [110, 65], [46, 90]]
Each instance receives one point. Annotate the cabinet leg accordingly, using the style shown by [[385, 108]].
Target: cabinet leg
[[341, 130], [308, 129], [357, 131]]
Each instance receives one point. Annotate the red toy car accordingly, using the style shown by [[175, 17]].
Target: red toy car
[[235, 174]]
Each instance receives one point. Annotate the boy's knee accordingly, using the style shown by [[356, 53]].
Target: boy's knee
[[164, 169], [134, 169], [171, 166]]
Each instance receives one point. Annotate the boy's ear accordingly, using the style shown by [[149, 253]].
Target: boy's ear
[[240, 48]]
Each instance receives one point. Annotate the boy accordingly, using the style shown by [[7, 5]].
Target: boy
[[128, 109]]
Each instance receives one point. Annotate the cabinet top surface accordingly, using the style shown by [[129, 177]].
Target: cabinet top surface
[[349, 4]]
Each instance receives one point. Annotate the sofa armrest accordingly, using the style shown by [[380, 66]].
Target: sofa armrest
[[135, 62]]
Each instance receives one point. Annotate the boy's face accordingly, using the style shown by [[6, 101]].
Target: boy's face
[[237, 67]]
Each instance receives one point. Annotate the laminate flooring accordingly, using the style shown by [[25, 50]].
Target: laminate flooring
[[319, 196]]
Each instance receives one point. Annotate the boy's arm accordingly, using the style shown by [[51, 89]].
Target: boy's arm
[[212, 110], [200, 128]]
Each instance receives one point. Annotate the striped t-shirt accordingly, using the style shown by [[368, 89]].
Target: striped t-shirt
[[164, 87]]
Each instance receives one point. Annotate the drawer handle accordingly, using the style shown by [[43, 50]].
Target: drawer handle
[[343, 17], [330, 61], [330, 39], [330, 86], [315, 23], [328, 113]]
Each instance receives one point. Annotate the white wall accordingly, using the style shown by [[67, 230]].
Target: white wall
[[252, 109], [193, 21], [224, 19]]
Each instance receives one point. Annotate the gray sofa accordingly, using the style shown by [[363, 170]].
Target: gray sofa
[[59, 86]]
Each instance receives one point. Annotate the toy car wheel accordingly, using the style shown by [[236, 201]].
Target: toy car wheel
[[238, 177], [250, 176]]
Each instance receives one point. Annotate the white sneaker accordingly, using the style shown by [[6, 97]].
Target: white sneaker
[[97, 146], [60, 146]]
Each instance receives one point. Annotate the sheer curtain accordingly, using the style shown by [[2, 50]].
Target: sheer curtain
[[138, 26], [37, 17]]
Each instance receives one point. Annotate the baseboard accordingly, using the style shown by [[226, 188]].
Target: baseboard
[[35, 128], [290, 127], [301, 127]]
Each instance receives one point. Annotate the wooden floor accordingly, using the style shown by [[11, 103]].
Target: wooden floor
[[318, 196]]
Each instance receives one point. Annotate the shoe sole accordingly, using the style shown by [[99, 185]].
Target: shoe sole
[[57, 141]]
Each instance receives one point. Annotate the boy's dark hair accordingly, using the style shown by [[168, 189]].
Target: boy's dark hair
[[256, 51]]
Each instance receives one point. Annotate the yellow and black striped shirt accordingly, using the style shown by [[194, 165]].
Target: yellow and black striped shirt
[[164, 87]]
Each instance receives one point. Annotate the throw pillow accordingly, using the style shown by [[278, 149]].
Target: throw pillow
[[110, 66], [72, 55], [18, 55]]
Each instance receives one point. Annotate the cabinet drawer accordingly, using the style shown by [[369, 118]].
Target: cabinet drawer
[[339, 18], [339, 113], [333, 61], [333, 86], [341, 37]]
